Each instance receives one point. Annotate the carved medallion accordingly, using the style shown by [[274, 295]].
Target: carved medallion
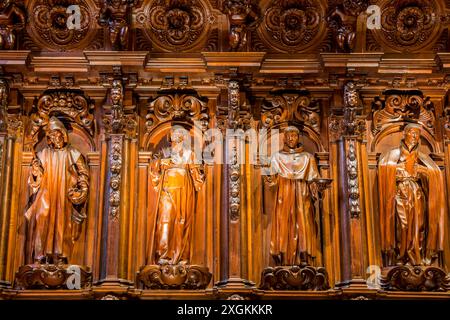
[[51, 276], [414, 278], [294, 278], [409, 25], [176, 25], [293, 25], [51, 23], [174, 277]]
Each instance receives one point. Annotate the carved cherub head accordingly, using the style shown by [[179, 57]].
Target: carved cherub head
[[116, 92], [57, 136], [351, 97]]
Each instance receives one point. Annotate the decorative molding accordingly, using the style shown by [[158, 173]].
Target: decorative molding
[[185, 277], [52, 277], [401, 106], [176, 25], [293, 25], [352, 181], [414, 278], [342, 20], [294, 278], [287, 106], [48, 27]]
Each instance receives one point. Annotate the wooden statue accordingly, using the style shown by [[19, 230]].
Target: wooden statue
[[411, 204], [176, 178], [12, 18], [294, 239], [59, 182]]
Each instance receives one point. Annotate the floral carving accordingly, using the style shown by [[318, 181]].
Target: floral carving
[[175, 25], [49, 27], [292, 26], [409, 26]]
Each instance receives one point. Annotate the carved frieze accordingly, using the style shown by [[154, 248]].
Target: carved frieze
[[176, 25], [293, 25], [297, 107], [52, 24], [400, 106], [409, 25]]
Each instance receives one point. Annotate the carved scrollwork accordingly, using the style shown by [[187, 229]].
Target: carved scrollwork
[[293, 25], [51, 276], [182, 107], [69, 103], [294, 278], [51, 29], [399, 106], [414, 278], [188, 277], [297, 107], [409, 25], [176, 25], [342, 20], [12, 19]]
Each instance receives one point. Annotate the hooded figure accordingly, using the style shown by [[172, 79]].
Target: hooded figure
[[411, 204], [59, 183]]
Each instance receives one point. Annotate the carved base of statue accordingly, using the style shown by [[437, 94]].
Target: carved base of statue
[[414, 278], [294, 278], [169, 276], [53, 276]]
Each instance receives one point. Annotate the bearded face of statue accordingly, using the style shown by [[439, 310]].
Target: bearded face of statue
[[55, 139], [412, 137]]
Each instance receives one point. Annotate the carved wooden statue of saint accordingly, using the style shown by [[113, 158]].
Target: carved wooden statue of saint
[[411, 198], [294, 238], [59, 183], [177, 178]]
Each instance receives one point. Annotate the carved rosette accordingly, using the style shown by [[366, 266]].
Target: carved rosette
[[291, 107], [400, 106], [176, 25], [294, 278], [115, 167], [181, 107], [414, 278], [49, 28], [50, 276], [293, 25], [409, 25], [68, 103], [187, 277]]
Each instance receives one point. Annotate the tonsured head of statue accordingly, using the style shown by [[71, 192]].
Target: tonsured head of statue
[[57, 136], [291, 137]]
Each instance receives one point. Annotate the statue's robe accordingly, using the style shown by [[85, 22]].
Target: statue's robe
[[176, 180], [51, 213], [410, 186], [294, 225]]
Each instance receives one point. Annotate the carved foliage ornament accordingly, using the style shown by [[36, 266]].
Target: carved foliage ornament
[[409, 25], [176, 25], [294, 278], [50, 23], [115, 167], [69, 103], [291, 107], [184, 107], [399, 106], [293, 25]]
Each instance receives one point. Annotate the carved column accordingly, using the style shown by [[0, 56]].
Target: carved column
[[233, 219], [348, 132]]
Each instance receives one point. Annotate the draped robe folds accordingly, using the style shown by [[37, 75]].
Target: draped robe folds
[[411, 210], [51, 213], [294, 225], [177, 181]]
